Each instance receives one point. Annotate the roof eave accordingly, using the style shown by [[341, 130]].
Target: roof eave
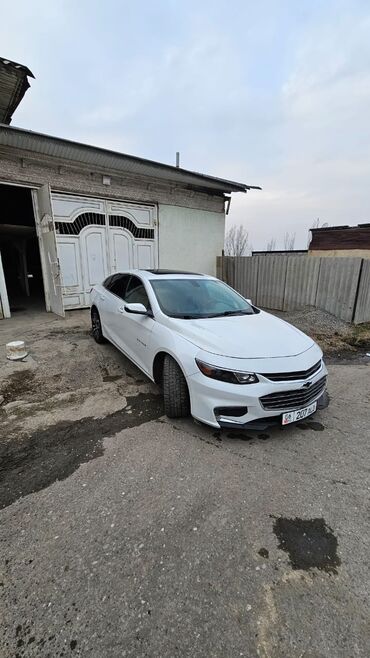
[[202, 182]]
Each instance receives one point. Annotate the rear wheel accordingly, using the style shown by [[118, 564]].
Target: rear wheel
[[96, 329], [175, 390]]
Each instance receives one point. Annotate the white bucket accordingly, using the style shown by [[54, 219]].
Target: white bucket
[[16, 350]]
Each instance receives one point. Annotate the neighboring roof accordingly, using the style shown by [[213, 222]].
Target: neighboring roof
[[94, 156], [13, 85], [280, 252], [340, 237]]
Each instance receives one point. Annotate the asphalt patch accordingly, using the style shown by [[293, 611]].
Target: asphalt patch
[[310, 543], [34, 462]]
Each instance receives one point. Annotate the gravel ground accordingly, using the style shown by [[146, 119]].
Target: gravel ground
[[338, 339], [314, 319]]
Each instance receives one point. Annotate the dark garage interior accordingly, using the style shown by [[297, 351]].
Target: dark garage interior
[[19, 248]]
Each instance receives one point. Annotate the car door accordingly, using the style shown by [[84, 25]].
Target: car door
[[110, 302], [134, 331]]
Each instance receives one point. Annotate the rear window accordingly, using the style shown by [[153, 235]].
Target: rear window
[[117, 284]]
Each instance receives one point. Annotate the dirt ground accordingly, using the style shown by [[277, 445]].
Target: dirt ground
[[339, 340], [61, 400], [126, 534]]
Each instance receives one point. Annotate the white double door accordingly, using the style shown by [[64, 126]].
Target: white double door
[[96, 238]]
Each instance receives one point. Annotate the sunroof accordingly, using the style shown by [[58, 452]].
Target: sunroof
[[172, 272]]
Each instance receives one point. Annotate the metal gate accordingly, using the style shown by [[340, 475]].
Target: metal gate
[[96, 237]]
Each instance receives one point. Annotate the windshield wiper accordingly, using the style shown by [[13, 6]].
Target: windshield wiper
[[225, 314], [178, 316]]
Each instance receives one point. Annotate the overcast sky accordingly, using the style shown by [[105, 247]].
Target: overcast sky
[[273, 93]]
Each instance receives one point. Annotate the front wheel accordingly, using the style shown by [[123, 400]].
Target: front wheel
[[96, 329], [175, 390]]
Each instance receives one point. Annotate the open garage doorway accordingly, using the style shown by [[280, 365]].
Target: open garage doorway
[[20, 252]]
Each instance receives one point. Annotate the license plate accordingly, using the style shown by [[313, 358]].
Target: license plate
[[300, 414]]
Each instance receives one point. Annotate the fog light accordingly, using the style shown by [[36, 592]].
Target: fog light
[[230, 411]]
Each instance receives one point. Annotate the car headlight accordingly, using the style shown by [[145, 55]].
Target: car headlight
[[230, 376]]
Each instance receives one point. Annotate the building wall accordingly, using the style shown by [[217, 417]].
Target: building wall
[[360, 253], [31, 169], [190, 239], [191, 223]]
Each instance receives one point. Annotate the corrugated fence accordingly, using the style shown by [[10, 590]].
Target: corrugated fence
[[340, 286]]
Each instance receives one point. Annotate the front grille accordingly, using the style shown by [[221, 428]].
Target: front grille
[[293, 399], [291, 376]]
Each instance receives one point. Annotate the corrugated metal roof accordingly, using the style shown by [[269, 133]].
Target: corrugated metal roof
[[56, 147], [13, 86]]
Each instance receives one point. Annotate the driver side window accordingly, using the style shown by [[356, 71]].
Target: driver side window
[[136, 293]]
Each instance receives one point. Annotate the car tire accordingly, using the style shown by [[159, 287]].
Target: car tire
[[96, 329], [175, 390]]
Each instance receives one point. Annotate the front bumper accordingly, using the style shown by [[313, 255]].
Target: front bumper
[[208, 395], [263, 424]]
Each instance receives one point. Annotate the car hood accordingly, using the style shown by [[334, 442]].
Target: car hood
[[243, 336]]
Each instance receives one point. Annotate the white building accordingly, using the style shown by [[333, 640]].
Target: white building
[[71, 214]]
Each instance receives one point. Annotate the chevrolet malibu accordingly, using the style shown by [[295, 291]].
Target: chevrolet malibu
[[215, 355]]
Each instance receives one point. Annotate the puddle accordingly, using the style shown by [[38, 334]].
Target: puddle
[[242, 436], [311, 425], [310, 543], [239, 435], [32, 463]]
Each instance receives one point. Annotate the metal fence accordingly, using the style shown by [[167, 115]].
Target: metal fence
[[340, 286]]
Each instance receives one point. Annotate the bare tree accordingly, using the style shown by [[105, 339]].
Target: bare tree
[[316, 224], [271, 245], [289, 241], [236, 241]]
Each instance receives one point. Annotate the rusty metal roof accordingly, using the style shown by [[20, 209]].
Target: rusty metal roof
[[112, 161], [13, 85]]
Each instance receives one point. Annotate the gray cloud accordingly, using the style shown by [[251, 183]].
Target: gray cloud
[[275, 94]]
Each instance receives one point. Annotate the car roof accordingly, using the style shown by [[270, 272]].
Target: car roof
[[165, 274]]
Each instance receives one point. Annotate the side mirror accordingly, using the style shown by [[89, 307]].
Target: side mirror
[[138, 309], [249, 301]]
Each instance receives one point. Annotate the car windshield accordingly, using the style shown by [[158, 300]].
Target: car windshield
[[198, 298]]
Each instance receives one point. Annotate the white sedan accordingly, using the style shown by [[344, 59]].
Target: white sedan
[[215, 355]]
